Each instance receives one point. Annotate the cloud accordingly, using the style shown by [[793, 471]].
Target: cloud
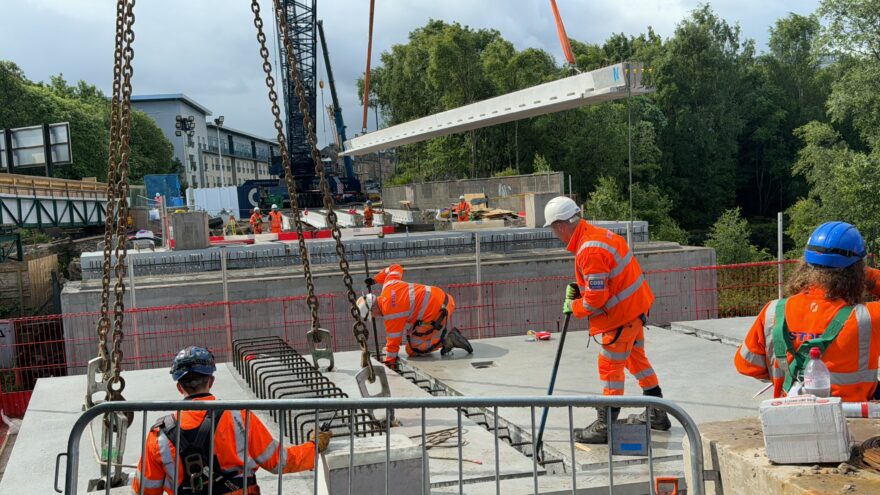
[[208, 49]]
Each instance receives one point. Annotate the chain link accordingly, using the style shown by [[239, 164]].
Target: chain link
[[110, 217], [116, 384], [359, 329], [311, 299]]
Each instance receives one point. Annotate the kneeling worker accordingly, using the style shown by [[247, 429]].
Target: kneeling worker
[[420, 311], [825, 310], [616, 299], [193, 369]]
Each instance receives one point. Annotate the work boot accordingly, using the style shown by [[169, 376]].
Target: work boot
[[597, 432], [454, 339], [659, 418]]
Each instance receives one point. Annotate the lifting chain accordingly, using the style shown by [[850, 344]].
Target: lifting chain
[[359, 329], [117, 203], [312, 299]]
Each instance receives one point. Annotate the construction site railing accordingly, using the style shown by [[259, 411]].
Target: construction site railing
[[59, 345], [319, 406]]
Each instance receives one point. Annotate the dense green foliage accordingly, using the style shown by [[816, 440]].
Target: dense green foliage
[[26, 103], [795, 128]]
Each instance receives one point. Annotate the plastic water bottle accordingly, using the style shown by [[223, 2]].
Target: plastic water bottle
[[817, 378]]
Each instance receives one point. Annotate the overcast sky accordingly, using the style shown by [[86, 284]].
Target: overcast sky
[[207, 48]]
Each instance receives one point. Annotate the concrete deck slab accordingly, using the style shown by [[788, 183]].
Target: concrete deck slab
[[730, 331], [695, 373], [478, 443]]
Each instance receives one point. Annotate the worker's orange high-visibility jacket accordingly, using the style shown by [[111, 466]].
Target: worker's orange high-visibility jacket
[[256, 222], [851, 358], [464, 211], [403, 304], [614, 291], [275, 220], [368, 216], [263, 451]]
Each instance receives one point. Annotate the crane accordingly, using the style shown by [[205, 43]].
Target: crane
[[300, 16], [337, 109]]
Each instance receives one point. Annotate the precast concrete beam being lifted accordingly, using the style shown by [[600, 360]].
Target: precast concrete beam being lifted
[[589, 88]]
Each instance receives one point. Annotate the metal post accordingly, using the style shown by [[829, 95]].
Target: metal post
[[628, 70], [226, 310], [220, 154], [570, 189], [134, 315], [479, 286], [779, 254], [47, 149]]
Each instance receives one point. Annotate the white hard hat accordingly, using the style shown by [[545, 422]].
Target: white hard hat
[[365, 304], [461, 197], [560, 208], [274, 207], [256, 208]]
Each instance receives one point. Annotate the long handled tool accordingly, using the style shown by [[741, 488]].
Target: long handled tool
[[369, 290], [539, 445]]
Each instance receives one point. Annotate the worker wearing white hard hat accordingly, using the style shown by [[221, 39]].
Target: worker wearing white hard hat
[[256, 221], [464, 209], [614, 295], [416, 313], [275, 220]]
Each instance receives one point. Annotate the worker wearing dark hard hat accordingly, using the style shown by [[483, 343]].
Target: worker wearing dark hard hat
[[826, 310], [256, 221], [368, 214], [275, 220], [193, 370], [614, 295], [418, 312], [464, 209]]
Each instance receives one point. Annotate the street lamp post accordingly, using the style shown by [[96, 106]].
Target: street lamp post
[[219, 122], [186, 127]]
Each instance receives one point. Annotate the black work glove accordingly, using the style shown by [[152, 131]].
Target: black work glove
[[370, 281]]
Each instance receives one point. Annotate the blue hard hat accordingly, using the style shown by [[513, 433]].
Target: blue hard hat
[[193, 359], [835, 245]]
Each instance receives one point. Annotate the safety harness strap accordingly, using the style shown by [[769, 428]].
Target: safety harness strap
[[782, 344], [438, 324]]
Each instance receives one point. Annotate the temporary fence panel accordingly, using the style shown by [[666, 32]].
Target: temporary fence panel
[[325, 407]]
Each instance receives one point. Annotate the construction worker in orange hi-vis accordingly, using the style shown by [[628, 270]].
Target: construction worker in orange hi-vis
[[275, 220], [230, 463], [612, 292], [415, 311], [368, 214], [464, 209], [256, 221], [825, 310]]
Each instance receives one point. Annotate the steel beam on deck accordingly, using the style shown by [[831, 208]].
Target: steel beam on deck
[[589, 88]]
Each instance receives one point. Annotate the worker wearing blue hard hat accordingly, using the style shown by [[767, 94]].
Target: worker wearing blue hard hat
[[193, 370], [826, 309]]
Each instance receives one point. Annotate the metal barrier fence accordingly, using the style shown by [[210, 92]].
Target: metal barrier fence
[[58, 345], [323, 407]]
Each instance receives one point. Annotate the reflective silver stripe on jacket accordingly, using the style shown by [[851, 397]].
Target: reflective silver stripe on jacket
[[241, 447], [267, 453], [853, 378], [769, 322], [751, 357], [863, 320], [165, 453], [614, 385], [630, 290], [424, 303]]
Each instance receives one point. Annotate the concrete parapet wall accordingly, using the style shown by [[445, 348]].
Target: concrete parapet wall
[[503, 192], [736, 450]]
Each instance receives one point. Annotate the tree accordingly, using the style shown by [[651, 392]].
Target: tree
[[88, 112], [730, 238], [699, 88], [608, 202]]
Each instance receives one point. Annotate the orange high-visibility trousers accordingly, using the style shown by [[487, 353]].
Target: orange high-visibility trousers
[[627, 352]]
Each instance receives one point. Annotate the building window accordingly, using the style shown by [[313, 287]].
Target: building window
[[193, 183]]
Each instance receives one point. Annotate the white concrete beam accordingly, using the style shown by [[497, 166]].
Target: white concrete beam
[[589, 88]]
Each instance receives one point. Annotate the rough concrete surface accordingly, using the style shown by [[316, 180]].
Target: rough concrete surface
[[737, 448], [730, 331]]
